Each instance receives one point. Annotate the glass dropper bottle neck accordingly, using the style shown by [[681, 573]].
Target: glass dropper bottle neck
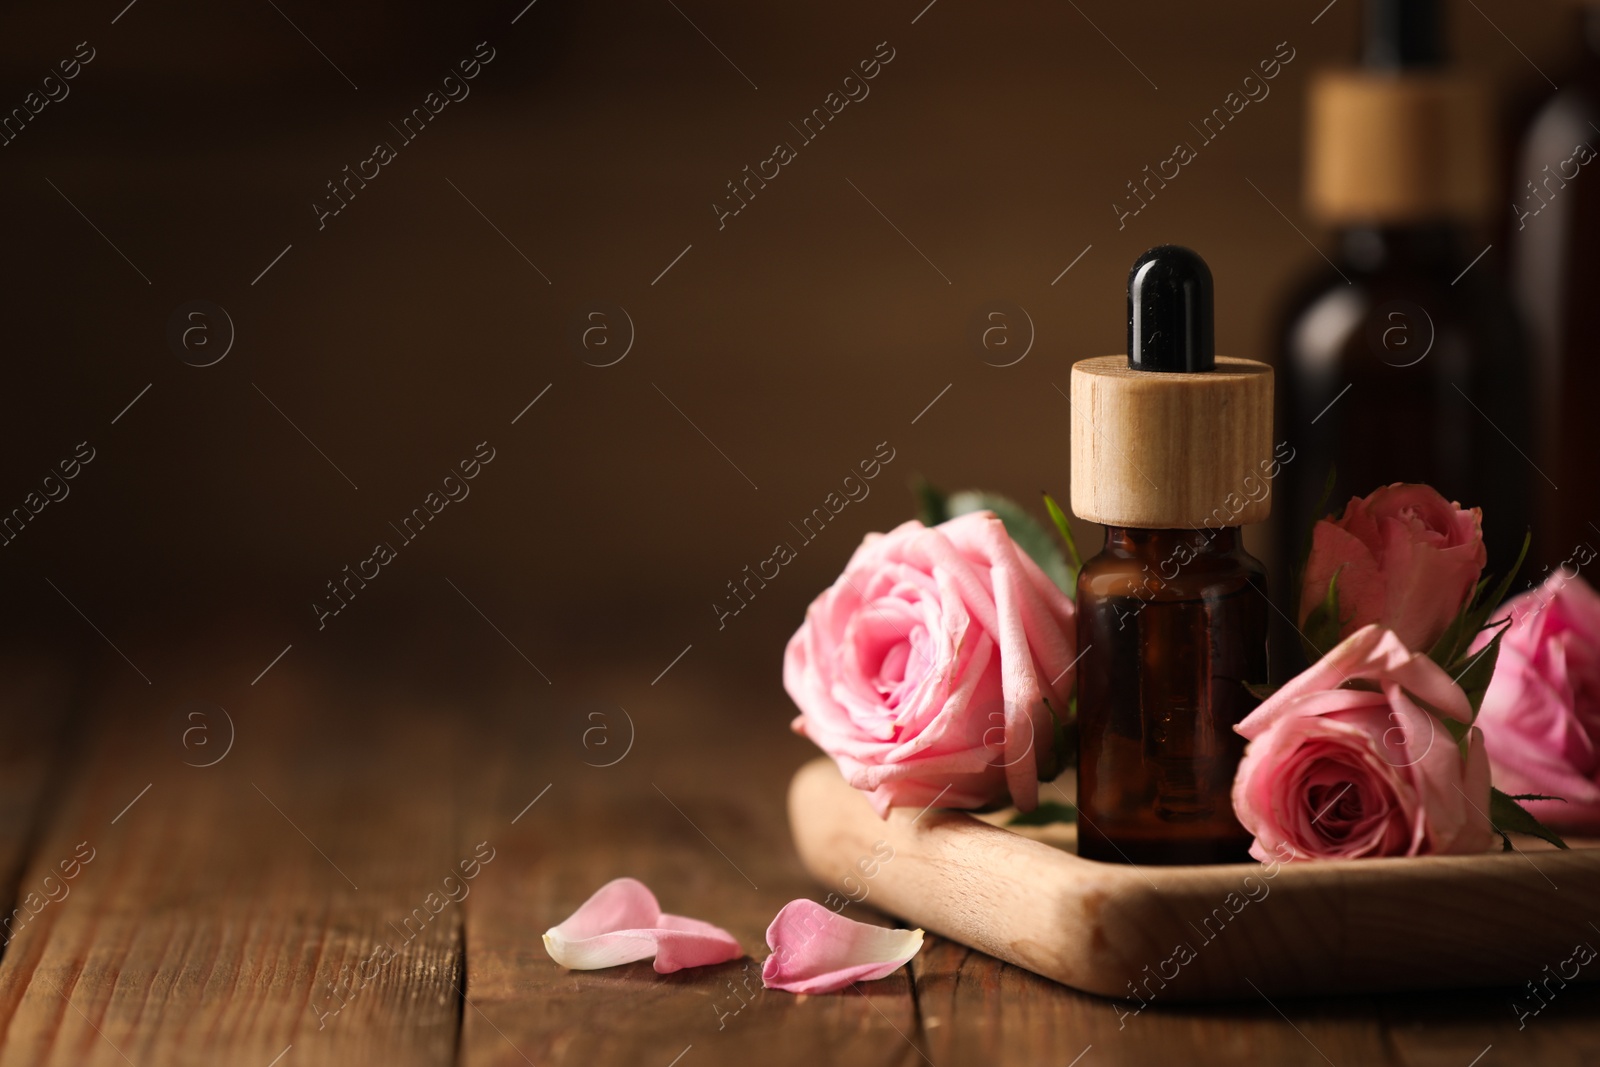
[[1202, 541]]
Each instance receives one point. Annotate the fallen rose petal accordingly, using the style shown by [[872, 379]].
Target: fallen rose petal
[[815, 950], [622, 923]]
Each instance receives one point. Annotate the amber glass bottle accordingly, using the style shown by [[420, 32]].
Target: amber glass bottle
[[1172, 452], [1157, 707]]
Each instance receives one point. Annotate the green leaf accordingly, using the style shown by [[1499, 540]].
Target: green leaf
[[1048, 811], [1499, 595], [1024, 529], [1473, 675], [1065, 735], [1064, 528], [1320, 632], [932, 506], [1459, 731], [1474, 615], [1509, 817], [1450, 644]]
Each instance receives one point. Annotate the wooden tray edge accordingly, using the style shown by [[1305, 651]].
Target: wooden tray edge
[[1351, 926]]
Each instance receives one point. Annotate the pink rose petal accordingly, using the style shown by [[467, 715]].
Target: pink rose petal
[[815, 950], [622, 923]]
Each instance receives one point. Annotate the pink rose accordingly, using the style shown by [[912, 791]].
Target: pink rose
[[1410, 559], [924, 670], [1344, 763], [1541, 713]]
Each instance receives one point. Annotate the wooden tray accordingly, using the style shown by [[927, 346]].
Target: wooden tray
[[1165, 934]]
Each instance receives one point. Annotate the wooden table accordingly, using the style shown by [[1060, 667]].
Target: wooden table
[[289, 904]]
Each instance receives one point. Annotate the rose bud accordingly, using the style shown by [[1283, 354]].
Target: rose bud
[[1407, 559]]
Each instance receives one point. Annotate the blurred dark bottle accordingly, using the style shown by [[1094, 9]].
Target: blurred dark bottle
[[1554, 218], [1406, 360]]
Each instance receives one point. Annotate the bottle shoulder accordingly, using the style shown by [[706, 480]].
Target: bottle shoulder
[[1173, 571], [1391, 314]]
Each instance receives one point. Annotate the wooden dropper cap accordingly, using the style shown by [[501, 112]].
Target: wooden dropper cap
[[1171, 435]]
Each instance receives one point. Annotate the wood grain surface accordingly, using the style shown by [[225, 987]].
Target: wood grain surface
[[1159, 451], [220, 919], [227, 912], [695, 817]]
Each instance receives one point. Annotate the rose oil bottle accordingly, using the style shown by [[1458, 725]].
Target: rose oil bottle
[[1172, 453]]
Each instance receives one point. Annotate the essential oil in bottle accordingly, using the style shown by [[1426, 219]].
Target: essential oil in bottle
[[1172, 453]]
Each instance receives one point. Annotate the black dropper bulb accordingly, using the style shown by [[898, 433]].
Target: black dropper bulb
[[1169, 312]]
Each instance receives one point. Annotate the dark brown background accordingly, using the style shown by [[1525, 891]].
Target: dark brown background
[[408, 330]]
